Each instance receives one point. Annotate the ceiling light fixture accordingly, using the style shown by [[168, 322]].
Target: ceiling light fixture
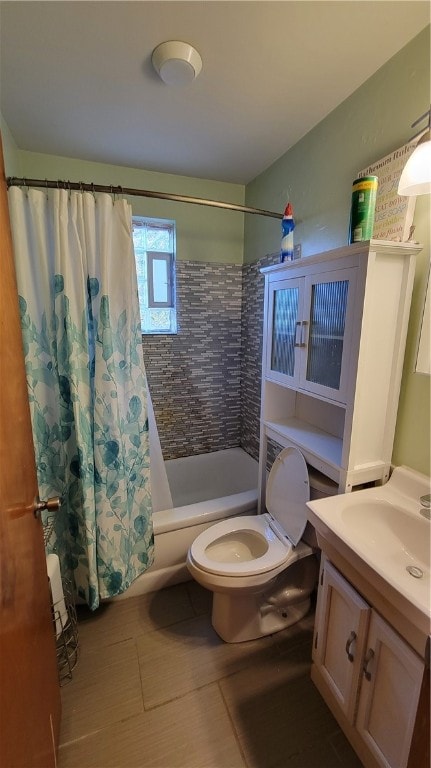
[[176, 63], [416, 176]]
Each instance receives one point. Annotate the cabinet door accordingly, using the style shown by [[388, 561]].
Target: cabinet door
[[390, 688], [341, 625], [284, 330], [329, 300]]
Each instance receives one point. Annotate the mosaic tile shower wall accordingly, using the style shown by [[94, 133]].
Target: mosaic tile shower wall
[[251, 351], [194, 376]]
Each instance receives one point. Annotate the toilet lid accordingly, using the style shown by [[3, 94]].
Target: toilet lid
[[287, 493]]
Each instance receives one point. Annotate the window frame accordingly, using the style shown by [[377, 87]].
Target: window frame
[[152, 257]]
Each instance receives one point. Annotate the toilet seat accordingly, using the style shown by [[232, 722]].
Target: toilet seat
[[287, 493], [273, 537], [277, 552]]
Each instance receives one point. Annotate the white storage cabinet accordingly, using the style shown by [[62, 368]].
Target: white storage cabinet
[[335, 328]]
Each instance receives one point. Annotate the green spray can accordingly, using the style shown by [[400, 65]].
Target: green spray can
[[364, 193]]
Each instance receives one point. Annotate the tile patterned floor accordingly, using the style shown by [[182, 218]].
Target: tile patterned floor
[[155, 687]]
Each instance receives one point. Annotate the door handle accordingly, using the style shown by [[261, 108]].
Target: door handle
[[51, 505], [298, 327], [304, 333], [351, 639], [368, 658]]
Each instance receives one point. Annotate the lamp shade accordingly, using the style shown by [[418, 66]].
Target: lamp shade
[[177, 63], [416, 176]]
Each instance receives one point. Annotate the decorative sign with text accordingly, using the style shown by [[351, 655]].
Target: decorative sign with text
[[394, 214]]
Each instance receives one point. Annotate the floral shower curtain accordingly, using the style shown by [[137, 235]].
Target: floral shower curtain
[[86, 380]]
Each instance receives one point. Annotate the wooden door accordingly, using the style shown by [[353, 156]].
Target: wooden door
[[29, 689], [390, 689], [342, 620]]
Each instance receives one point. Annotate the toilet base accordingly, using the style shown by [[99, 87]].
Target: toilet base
[[237, 619]]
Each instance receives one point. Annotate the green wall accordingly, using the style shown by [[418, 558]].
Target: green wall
[[316, 175], [203, 234], [12, 161]]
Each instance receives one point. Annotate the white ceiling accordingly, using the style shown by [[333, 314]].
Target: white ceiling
[[77, 80]]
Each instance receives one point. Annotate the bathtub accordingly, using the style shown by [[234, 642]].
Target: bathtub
[[204, 488]]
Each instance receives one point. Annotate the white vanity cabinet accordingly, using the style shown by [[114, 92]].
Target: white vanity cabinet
[[335, 327], [368, 675]]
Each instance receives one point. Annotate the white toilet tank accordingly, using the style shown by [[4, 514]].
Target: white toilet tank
[[320, 487]]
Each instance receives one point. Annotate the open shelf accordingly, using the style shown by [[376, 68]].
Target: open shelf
[[320, 449]]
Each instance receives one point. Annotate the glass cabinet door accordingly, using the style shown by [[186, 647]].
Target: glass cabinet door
[[329, 328], [309, 327], [284, 305]]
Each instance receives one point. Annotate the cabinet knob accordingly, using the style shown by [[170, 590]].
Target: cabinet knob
[[350, 640], [369, 656]]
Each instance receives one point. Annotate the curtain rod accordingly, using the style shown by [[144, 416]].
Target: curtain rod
[[14, 181]]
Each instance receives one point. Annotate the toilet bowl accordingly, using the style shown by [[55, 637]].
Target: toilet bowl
[[260, 569]]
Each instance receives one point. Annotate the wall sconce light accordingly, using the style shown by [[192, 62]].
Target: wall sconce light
[[416, 176], [176, 63]]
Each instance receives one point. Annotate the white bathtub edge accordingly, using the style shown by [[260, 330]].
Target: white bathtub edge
[[204, 512]]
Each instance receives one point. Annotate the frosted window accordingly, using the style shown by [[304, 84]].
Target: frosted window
[[154, 244], [160, 281]]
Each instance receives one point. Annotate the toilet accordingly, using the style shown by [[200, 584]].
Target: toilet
[[263, 568]]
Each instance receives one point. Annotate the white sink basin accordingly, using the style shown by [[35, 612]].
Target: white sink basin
[[383, 531], [402, 536]]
